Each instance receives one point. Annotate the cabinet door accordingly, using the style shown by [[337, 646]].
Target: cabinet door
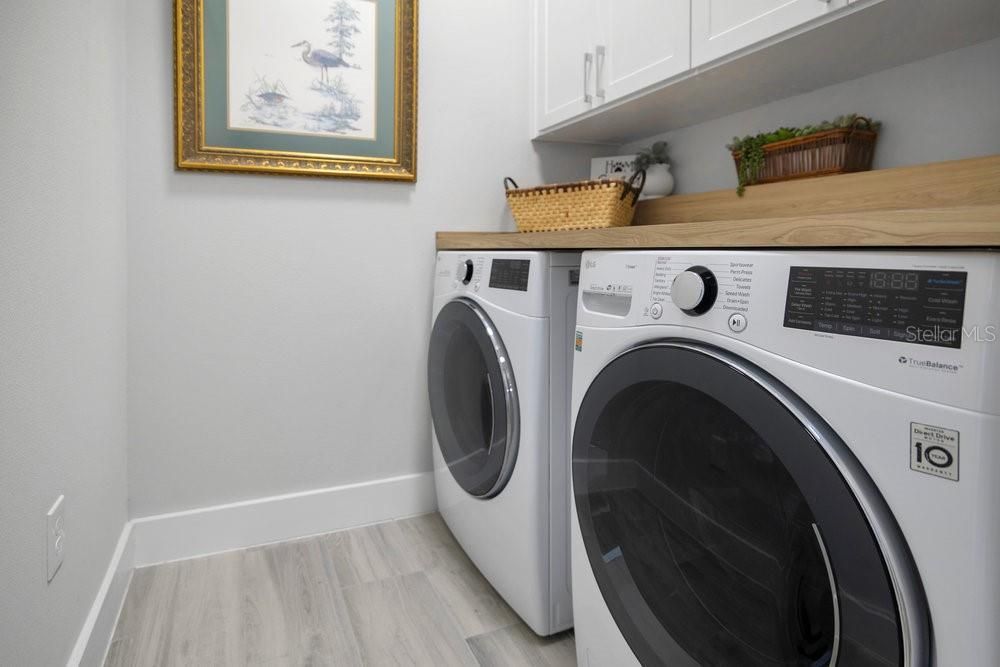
[[565, 35], [720, 27], [644, 42]]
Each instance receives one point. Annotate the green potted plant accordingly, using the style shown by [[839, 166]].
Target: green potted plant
[[845, 144], [655, 161]]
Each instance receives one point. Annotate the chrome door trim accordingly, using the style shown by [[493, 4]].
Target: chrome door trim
[[833, 591], [910, 599], [493, 420], [510, 398]]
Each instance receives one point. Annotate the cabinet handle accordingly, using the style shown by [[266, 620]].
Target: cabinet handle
[[588, 62], [599, 87]]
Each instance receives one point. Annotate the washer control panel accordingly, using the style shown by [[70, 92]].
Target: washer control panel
[[913, 306], [686, 287], [924, 324]]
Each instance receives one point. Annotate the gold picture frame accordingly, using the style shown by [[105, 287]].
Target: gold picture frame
[[246, 149]]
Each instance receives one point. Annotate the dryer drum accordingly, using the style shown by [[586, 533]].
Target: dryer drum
[[473, 398], [727, 524]]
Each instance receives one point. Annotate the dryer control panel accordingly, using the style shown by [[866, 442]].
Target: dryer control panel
[[510, 274], [513, 280]]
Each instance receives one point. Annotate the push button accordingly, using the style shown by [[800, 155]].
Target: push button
[[655, 311], [850, 329], [737, 322]]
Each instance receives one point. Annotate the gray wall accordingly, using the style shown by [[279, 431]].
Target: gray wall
[[62, 314], [946, 107], [278, 326]]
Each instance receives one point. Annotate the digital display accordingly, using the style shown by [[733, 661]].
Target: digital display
[[909, 280], [510, 274], [921, 307]]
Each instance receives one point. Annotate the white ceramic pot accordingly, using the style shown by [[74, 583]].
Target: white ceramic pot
[[659, 181]]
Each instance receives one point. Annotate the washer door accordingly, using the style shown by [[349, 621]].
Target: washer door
[[726, 524], [473, 398]]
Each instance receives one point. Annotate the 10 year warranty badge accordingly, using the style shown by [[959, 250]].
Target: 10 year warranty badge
[[934, 450]]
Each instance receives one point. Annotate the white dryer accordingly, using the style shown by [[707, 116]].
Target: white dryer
[[499, 380], [787, 458]]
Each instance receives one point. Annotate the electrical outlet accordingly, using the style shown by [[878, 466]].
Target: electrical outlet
[[55, 530]]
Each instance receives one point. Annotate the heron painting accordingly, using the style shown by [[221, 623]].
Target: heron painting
[[321, 59], [318, 87], [326, 64]]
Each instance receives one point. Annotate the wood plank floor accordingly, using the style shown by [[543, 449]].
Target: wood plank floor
[[396, 593]]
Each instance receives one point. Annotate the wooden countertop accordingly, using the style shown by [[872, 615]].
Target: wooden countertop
[[944, 204]]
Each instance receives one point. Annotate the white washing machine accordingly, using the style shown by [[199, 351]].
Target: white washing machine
[[499, 371], [787, 458]]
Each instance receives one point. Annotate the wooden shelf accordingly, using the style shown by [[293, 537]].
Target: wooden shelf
[[944, 204], [972, 182], [961, 226]]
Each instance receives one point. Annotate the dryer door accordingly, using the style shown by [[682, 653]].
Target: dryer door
[[473, 397], [726, 524]]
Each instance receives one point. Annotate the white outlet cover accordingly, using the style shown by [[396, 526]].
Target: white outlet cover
[[55, 532]]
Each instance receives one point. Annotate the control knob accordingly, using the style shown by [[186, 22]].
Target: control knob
[[465, 272], [694, 290]]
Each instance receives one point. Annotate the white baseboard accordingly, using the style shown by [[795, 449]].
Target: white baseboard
[[95, 635], [208, 530]]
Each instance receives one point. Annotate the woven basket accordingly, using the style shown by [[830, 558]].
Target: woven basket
[[582, 205], [832, 152]]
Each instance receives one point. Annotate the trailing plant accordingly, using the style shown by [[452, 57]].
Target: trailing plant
[[751, 150], [751, 147], [655, 154]]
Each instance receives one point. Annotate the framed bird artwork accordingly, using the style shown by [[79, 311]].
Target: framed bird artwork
[[302, 87]]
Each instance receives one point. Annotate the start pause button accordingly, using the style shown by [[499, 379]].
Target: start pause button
[[737, 322]]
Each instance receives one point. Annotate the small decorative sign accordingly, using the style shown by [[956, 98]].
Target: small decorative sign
[[615, 167]]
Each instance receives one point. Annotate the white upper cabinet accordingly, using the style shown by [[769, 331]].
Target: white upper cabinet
[[643, 42], [721, 27], [589, 52], [614, 71], [566, 35]]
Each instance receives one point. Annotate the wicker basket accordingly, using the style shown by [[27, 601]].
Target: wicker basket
[[832, 152], [582, 205]]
